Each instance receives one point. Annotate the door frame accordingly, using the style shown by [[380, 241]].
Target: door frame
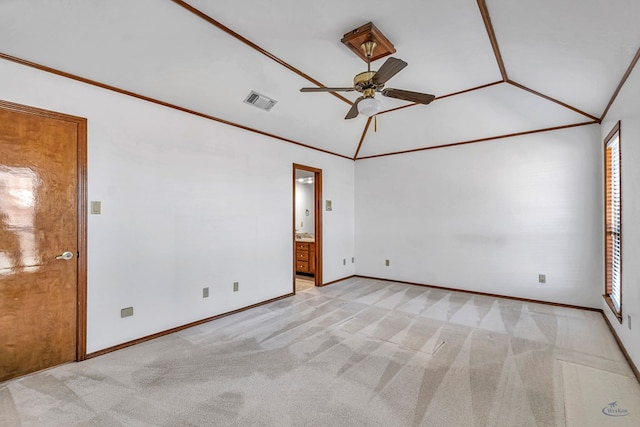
[[81, 170], [317, 198]]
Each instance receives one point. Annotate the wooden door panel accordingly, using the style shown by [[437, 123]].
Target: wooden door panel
[[38, 221], [38, 324]]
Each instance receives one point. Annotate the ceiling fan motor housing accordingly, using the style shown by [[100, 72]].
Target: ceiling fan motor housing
[[364, 81]]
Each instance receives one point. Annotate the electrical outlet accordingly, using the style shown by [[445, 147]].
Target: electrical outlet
[[126, 312], [386, 262], [344, 261], [236, 286], [205, 292], [542, 278]]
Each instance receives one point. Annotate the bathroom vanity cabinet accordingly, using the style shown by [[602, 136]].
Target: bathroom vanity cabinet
[[306, 257]]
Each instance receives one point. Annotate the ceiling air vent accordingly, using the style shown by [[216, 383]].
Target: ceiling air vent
[[260, 101]]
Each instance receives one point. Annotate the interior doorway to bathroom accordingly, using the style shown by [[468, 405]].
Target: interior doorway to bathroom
[[307, 227]]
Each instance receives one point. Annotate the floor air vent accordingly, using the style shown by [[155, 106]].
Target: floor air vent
[[260, 101]]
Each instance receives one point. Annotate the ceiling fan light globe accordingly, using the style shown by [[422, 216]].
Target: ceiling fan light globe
[[369, 107]]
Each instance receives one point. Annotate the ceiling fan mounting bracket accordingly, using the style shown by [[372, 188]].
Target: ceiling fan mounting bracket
[[368, 48], [368, 32]]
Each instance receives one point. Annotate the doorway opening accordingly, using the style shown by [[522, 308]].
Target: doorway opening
[[307, 227]]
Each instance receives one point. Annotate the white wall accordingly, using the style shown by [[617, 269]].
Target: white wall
[[488, 217], [626, 108], [189, 203], [186, 203], [304, 204]]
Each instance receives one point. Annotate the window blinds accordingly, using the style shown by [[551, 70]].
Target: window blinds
[[614, 240]]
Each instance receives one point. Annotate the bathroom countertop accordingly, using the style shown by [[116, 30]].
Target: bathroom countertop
[[306, 239]]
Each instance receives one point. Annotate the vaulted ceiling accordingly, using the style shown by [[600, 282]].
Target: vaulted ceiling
[[497, 67]]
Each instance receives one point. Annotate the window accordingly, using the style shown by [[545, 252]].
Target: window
[[613, 223]]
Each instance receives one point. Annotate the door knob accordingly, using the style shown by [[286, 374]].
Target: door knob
[[65, 256]]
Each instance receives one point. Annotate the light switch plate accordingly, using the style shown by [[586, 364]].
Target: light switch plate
[[328, 206], [96, 207], [126, 312]]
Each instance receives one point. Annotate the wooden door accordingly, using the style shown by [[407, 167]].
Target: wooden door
[[40, 219]]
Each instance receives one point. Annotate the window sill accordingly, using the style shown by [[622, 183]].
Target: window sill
[[616, 313]]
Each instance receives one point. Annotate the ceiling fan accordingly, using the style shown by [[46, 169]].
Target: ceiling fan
[[369, 82]]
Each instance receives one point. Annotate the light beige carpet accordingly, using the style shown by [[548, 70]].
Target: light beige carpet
[[357, 353], [599, 398]]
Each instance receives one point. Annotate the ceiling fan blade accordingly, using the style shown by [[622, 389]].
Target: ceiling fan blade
[[420, 98], [327, 89], [389, 69], [353, 112]]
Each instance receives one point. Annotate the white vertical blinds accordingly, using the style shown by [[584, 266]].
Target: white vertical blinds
[[615, 221]]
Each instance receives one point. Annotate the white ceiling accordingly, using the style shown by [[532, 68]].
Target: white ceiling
[[575, 51]]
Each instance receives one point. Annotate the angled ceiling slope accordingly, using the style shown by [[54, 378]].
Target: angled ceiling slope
[[498, 67]]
